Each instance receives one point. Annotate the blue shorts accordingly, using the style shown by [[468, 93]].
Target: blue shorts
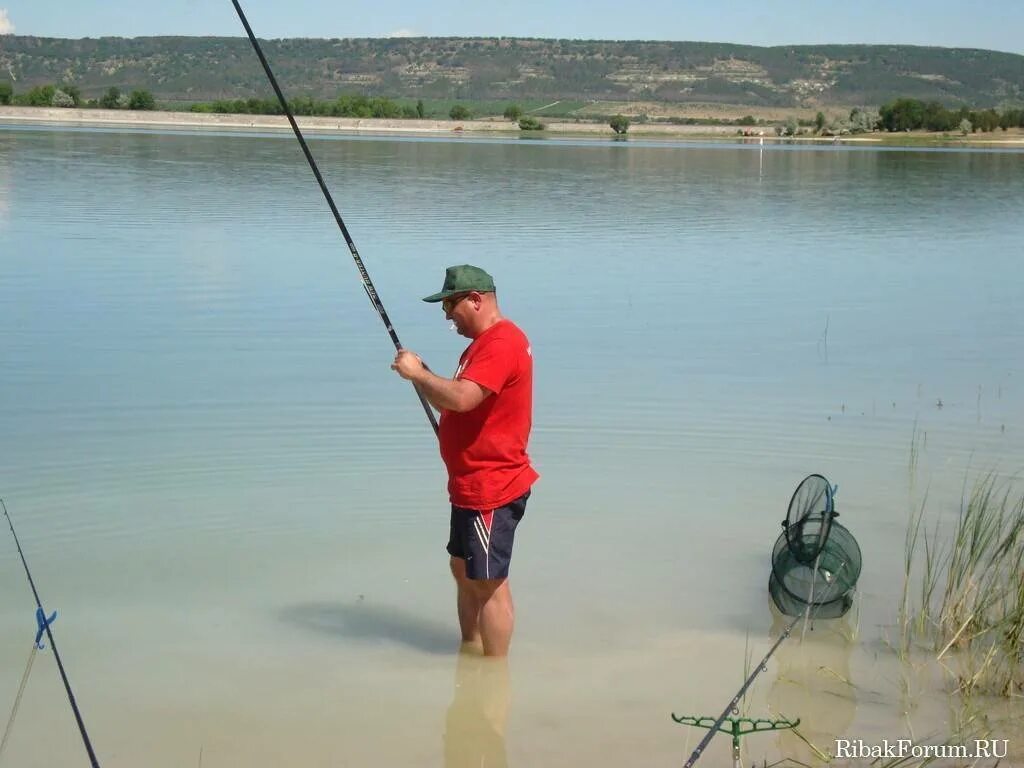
[[483, 538]]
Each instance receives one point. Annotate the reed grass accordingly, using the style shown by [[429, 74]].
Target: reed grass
[[748, 667], [969, 602]]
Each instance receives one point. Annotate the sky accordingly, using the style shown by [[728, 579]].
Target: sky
[[991, 24]]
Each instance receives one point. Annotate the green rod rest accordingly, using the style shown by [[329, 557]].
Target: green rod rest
[[738, 727]]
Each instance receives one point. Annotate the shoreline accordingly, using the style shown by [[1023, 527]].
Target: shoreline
[[116, 118]]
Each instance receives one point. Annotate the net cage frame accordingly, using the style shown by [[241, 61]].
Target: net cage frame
[[816, 561], [808, 521]]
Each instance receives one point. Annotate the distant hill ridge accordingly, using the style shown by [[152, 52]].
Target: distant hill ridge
[[205, 68]]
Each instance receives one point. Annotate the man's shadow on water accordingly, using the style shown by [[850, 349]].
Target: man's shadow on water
[[375, 624]]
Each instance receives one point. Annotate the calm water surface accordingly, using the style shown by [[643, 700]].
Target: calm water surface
[[239, 510]]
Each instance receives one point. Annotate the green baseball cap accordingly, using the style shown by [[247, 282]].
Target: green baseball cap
[[462, 279]]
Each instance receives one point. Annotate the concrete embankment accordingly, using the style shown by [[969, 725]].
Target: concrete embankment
[[192, 120]]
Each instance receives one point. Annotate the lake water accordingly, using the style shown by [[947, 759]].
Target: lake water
[[239, 512]]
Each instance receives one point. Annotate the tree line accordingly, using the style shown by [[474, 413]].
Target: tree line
[[915, 115], [344, 106], [69, 96]]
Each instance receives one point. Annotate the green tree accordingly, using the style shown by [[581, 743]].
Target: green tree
[[304, 105], [619, 124], [459, 112], [40, 96], [1010, 118], [965, 126], [420, 110], [513, 112], [109, 99], [530, 123], [862, 121], [902, 115], [819, 122], [141, 99], [73, 92], [385, 108], [987, 120], [938, 118], [6, 93], [61, 99]]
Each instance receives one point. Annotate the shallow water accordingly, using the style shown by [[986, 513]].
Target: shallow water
[[239, 511]]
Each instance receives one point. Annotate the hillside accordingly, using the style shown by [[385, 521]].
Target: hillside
[[204, 68]]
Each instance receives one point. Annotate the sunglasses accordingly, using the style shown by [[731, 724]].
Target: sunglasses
[[451, 302]]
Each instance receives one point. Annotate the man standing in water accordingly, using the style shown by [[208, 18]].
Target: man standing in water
[[486, 414]]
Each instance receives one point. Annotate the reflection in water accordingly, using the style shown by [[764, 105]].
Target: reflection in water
[[5, 185], [813, 684], [474, 729]]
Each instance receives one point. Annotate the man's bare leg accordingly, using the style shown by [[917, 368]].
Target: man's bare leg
[[467, 603], [486, 611], [497, 615]]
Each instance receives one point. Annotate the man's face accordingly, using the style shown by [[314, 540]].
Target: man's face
[[459, 310]]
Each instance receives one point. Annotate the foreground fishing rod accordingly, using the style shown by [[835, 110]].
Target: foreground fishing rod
[[371, 292], [732, 705], [44, 626]]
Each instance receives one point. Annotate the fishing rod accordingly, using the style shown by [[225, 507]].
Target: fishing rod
[[371, 292], [44, 626], [732, 705], [761, 667]]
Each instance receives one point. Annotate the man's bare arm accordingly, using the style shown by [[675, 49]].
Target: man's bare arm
[[459, 395]]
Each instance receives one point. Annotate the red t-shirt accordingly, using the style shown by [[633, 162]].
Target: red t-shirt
[[485, 449]]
